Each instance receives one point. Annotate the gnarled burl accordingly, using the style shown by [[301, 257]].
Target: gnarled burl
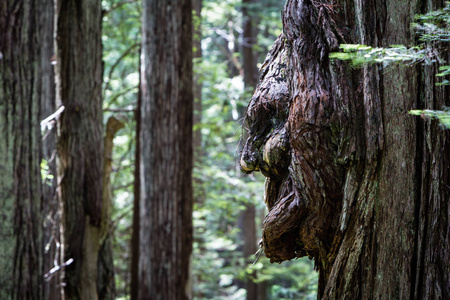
[[352, 180], [299, 136]]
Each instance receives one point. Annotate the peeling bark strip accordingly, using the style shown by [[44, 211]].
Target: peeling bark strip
[[353, 181]]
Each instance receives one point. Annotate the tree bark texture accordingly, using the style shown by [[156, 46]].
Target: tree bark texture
[[248, 42], [80, 145], [166, 199], [352, 180], [134, 268], [21, 90], [50, 201]]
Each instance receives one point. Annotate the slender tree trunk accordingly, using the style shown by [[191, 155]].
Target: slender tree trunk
[[248, 215], [199, 193], [165, 241], [248, 233], [353, 180], [249, 39], [21, 231], [80, 147], [197, 89], [50, 202], [198, 188], [134, 285]]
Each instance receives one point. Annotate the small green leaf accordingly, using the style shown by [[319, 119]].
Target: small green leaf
[[415, 112]]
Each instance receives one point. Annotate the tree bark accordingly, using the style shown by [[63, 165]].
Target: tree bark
[[22, 30], [50, 200], [165, 242], [249, 38], [80, 147], [134, 285], [352, 179]]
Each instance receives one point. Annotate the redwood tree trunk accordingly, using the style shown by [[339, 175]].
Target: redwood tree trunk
[[353, 180], [80, 145], [247, 217], [197, 93], [165, 242], [22, 30], [248, 42], [134, 268]]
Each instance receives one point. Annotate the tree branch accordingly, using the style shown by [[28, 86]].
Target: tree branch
[[116, 6], [120, 110], [113, 99], [125, 54]]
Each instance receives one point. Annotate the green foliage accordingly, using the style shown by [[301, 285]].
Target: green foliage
[[46, 174], [433, 29], [362, 54], [219, 189], [445, 72], [435, 25], [292, 280], [217, 260], [121, 43], [442, 115]]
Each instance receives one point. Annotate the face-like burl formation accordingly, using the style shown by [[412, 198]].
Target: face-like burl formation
[[295, 139]]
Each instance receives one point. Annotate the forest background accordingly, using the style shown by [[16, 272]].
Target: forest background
[[69, 87], [97, 58], [220, 193]]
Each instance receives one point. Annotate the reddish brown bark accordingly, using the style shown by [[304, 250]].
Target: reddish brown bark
[[353, 180], [134, 284], [166, 200], [21, 97]]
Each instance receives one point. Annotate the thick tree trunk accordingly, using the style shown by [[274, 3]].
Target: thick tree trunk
[[80, 147], [353, 180], [21, 90], [165, 242]]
